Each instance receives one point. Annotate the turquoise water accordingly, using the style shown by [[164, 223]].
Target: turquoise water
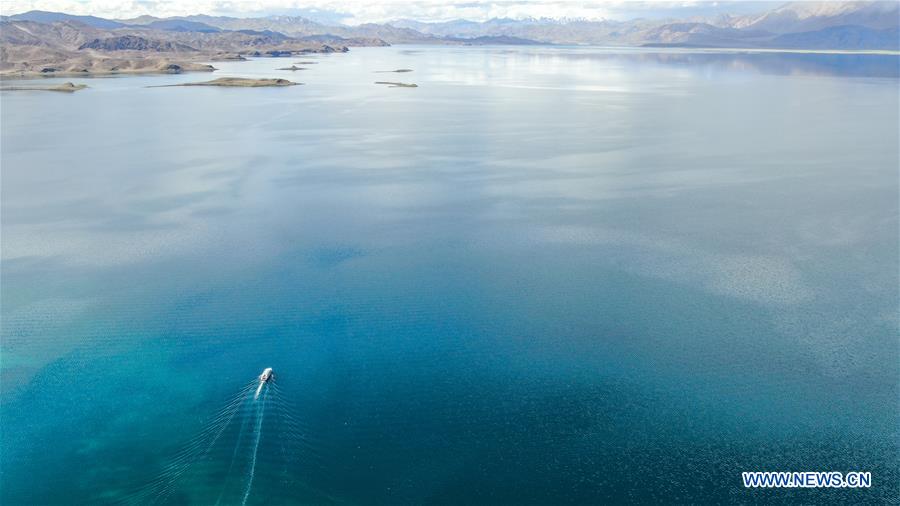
[[546, 275]]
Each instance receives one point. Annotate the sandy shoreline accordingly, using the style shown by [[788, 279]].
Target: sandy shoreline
[[87, 67]]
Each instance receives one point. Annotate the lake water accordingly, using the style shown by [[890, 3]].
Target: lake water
[[546, 275]]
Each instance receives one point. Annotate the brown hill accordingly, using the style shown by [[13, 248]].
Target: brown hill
[[72, 47], [134, 43]]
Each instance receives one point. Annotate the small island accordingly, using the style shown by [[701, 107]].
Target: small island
[[292, 67], [397, 71], [237, 82], [64, 87], [391, 84]]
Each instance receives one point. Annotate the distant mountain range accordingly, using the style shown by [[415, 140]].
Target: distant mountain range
[[39, 42], [46, 43], [824, 25], [794, 25]]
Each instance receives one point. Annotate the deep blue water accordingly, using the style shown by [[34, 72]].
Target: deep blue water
[[546, 275]]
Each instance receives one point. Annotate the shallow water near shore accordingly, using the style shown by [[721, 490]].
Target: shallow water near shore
[[544, 275]]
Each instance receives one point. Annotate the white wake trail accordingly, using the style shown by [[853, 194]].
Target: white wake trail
[[258, 431]]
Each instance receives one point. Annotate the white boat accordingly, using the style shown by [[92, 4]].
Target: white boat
[[264, 378]]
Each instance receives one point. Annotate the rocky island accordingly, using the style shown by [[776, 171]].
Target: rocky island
[[64, 87], [391, 84], [237, 82]]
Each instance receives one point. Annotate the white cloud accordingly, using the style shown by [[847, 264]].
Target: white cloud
[[362, 11]]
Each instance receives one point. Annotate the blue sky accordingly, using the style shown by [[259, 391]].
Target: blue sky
[[362, 11]]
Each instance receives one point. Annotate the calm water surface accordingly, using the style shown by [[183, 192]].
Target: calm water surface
[[546, 275]]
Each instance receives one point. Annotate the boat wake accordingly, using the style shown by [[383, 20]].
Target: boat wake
[[254, 444], [260, 411]]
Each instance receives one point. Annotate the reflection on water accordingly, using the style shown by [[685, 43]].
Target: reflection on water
[[797, 64], [541, 274], [778, 63]]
